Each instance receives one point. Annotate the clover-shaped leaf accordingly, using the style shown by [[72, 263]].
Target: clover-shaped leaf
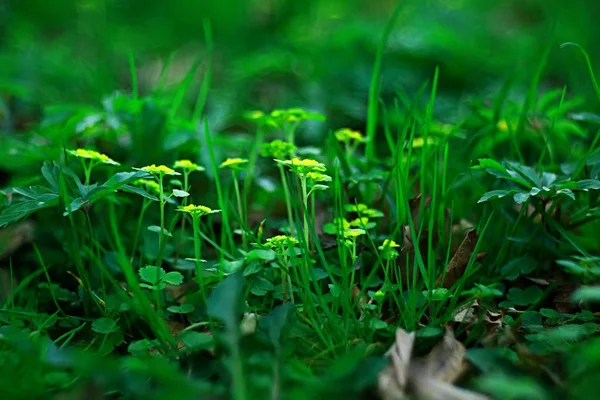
[[105, 326], [173, 278], [520, 297], [152, 274]]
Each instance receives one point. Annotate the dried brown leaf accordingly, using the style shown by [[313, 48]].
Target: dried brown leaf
[[428, 377], [446, 361], [457, 265]]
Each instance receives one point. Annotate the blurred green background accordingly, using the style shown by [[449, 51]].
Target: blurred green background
[[316, 54]]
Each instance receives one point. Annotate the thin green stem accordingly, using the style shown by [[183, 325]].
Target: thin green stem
[[305, 211], [186, 175], [161, 235], [236, 187], [198, 255], [288, 202]]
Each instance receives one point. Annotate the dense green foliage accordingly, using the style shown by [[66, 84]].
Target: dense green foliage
[[247, 200]]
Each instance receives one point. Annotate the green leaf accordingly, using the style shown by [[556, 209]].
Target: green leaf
[[104, 326], [152, 274], [121, 178], [276, 321], [21, 209], [180, 193], [572, 267], [518, 267], [195, 341], [335, 290], [173, 278], [156, 229], [320, 187], [495, 194], [587, 293], [261, 287], [521, 197], [488, 163], [262, 254], [330, 229], [140, 347], [526, 172], [51, 173], [589, 184], [252, 268], [437, 294], [525, 297], [181, 309], [319, 274], [377, 324], [594, 157], [138, 191], [225, 302], [550, 313]]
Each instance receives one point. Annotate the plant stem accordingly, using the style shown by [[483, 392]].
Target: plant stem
[[288, 202], [186, 175], [305, 211], [236, 187], [161, 235], [197, 254]]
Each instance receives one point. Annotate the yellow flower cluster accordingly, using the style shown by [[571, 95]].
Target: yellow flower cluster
[[303, 166], [93, 155], [278, 149], [281, 241], [187, 166], [363, 210], [347, 135], [233, 163], [389, 249], [295, 115], [151, 186], [158, 169], [197, 211]]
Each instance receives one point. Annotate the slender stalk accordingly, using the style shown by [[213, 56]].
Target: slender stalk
[[198, 255], [288, 202], [186, 175], [161, 235], [305, 211], [243, 224]]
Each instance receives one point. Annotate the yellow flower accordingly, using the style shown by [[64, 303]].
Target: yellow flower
[[504, 126], [341, 223], [278, 149], [255, 115], [233, 163], [295, 115], [360, 222], [150, 185], [389, 249], [353, 233], [197, 211], [363, 210], [304, 166], [379, 295], [318, 177], [93, 155], [282, 241], [347, 135], [160, 170], [187, 165], [388, 244], [420, 142]]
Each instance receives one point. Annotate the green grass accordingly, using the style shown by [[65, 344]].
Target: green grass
[[266, 268]]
